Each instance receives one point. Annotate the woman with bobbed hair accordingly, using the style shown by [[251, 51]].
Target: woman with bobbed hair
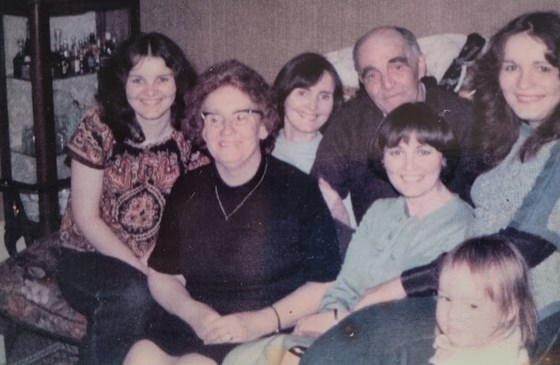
[[247, 245], [125, 156], [517, 82]]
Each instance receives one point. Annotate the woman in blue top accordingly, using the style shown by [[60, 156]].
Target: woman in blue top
[[518, 195], [416, 148]]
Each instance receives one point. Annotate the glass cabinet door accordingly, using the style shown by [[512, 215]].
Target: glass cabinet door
[[52, 50]]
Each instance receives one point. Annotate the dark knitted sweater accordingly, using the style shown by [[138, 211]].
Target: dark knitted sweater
[[281, 237]]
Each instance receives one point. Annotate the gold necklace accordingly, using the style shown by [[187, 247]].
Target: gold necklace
[[226, 216]]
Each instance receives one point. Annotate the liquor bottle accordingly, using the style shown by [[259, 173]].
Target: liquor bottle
[[18, 59], [26, 65], [56, 56], [64, 63], [110, 43], [89, 64], [107, 49], [75, 64], [96, 49]]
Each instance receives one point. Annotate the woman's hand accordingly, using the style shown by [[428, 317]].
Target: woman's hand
[[317, 324], [384, 292], [240, 327], [169, 291], [334, 202], [201, 324], [246, 326]]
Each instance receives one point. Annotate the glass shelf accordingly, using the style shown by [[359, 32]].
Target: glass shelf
[[24, 171], [11, 77]]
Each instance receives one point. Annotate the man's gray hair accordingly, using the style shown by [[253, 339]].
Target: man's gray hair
[[407, 35]]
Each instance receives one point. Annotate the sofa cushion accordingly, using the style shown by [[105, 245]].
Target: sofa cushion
[[30, 296]]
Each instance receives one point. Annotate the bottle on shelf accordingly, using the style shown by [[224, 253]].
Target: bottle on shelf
[[65, 64], [18, 59], [55, 55], [73, 58], [75, 63], [26, 64], [90, 49], [61, 62], [107, 48], [26, 67]]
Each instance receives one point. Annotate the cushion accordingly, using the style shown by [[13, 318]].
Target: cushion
[[30, 296]]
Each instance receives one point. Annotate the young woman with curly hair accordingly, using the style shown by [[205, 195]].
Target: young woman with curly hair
[[125, 156]]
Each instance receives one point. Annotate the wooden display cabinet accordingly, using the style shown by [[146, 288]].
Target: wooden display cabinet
[[118, 16]]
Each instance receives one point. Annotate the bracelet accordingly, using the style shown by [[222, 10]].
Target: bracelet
[[335, 312], [278, 323]]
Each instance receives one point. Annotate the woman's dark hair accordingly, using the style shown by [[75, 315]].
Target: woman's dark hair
[[116, 112], [497, 124], [304, 71], [429, 128], [236, 74]]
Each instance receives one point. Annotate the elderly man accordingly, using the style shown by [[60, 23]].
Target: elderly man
[[390, 67]]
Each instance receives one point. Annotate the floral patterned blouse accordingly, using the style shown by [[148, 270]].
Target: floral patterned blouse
[[136, 182]]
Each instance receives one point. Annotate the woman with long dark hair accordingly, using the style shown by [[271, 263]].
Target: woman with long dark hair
[[125, 156]]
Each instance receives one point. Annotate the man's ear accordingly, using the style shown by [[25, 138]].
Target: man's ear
[[263, 132], [203, 133], [421, 66]]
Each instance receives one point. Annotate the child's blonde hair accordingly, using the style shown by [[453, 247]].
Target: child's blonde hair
[[502, 269]]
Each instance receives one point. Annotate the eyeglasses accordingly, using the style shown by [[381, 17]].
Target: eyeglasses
[[239, 118]]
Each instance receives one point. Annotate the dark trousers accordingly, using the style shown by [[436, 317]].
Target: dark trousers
[[113, 296], [120, 310], [403, 333]]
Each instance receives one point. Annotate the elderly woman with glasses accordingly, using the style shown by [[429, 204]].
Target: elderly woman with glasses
[[247, 245]]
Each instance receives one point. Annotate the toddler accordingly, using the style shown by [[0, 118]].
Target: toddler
[[485, 312]]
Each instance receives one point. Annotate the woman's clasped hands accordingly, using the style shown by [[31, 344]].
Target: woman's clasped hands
[[237, 327]]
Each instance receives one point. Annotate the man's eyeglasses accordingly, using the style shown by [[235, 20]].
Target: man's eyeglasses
[[239, 118]]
